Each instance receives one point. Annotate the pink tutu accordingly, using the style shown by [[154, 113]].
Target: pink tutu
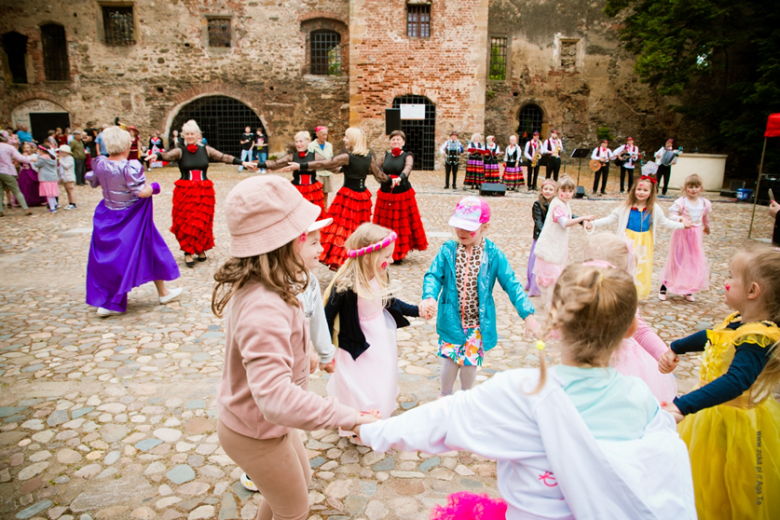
[[48, 189], [686, 270], [547, 273], [470, 506], [630, 359]]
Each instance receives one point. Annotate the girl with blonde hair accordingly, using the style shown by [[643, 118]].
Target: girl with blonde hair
[[575, 439], [363, 315], [305, 182], [352, 205], [193, 195]]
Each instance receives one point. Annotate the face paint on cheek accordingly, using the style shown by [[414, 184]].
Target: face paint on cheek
[[384, 265], [302, 239], [728, 287], [474, 234]]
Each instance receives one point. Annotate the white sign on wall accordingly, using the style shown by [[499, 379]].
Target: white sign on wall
[[413, 111]]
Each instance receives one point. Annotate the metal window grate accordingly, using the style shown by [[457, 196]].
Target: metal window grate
[[219, 32], [418, 21], [420, 134], [222, 120], [118, 25], [322, 43], [498, 58], [530, 122], [15, 46], [55, 52]]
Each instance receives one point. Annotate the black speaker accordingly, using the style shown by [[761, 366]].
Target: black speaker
[[492, 189], [392, 120], [580, 192], [768, 181]]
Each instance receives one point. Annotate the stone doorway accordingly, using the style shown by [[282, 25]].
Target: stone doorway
[[420, 134], [42, 122], [531, 118], [222, 120]]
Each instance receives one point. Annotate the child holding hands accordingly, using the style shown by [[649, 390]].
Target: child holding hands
[[461, 278], [731, 423]]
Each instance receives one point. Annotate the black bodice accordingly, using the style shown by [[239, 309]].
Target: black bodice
[[393, 166]]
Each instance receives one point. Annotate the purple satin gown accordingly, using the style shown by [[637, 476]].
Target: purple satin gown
[[126, 250]]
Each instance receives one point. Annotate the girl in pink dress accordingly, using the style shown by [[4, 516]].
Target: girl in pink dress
[[686, 270], [363, 317], [638, 355]]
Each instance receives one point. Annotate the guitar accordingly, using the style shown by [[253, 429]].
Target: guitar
[[595, 165]]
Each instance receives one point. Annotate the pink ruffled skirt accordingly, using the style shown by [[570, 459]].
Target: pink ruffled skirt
[[630, 359], [686, 270], [48, 189]]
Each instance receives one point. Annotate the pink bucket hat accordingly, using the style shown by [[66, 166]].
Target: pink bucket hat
[[470, 213], [265, 213]]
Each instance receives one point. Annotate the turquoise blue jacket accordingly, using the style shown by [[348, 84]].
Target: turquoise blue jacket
[[440, 279]]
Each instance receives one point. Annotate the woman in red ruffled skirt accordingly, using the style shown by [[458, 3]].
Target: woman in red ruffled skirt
[[305, 182], [396, 202], [193, 196], [352, 205]]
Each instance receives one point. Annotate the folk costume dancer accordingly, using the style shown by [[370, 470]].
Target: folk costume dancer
[[451, 151], [305, 182], [193, 195], [513, 173], [156, 146], [475, 170], [396, 202], [533, 155], [492, 173], [626, 156], [553, 147], [603, 154]]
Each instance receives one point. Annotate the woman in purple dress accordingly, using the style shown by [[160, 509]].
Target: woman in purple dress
[[126, 251], [28, 179]]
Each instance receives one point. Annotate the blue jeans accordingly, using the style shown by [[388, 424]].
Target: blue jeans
[[246, 156], [261, 156]]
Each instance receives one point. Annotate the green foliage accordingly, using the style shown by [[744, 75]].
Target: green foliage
[[721, 57], [497, 63], [334, 61], [605, 133]]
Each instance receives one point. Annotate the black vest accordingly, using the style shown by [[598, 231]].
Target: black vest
[[393, 166]]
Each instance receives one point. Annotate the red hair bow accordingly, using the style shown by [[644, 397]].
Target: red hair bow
[[649, 179]]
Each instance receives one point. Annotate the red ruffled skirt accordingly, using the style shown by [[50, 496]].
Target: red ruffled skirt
[[313, 193], [348, 210], [398, 211], [193, 215]]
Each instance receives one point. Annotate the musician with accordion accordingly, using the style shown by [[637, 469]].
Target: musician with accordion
[[599, 163], [665, 157], [626, 157]]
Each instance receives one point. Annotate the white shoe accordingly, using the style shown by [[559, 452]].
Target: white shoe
[[175, 293], [103, 312], [247, 482]]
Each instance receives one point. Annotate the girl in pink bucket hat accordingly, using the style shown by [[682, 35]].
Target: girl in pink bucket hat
[[461, 278], [262, 397]]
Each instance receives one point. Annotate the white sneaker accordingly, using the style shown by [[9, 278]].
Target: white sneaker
[[247, 482], [175, 293], [103, 312]]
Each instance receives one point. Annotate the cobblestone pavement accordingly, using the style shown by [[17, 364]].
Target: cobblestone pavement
[[115, 418]]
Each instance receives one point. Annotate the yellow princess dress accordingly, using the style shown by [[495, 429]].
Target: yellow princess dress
[[735, 446]]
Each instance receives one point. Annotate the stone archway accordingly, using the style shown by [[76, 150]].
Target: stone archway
[[40, 115], [221, 118]]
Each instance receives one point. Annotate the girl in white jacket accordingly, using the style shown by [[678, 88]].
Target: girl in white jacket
[[638, 219], [579, 440]]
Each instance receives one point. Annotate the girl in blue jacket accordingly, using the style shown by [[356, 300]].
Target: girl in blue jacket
[[462, 277]]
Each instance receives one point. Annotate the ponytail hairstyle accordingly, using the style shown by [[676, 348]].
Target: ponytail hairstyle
[[357, 272], [760, 264], [281, 271], [593, 309]]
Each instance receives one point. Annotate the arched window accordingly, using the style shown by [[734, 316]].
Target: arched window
[[55, 52], [15, 46], [326, 53], [530, 122]]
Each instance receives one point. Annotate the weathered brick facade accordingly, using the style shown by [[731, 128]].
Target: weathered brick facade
[[562, 56]]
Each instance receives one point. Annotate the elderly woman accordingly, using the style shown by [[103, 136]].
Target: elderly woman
[[305, 182], [193, 197], [126, 250], [352, 205]]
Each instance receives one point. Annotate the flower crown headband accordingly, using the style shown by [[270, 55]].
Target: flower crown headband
[[389, 239]]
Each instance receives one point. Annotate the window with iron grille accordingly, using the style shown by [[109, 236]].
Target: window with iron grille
[[531, 119], [219, 32], [118, 25], [498, 58], [323, 61], [418, 20], [55, 52]]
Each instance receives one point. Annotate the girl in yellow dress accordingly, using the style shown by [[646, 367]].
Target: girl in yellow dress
[[731, 423], [638, 219]]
